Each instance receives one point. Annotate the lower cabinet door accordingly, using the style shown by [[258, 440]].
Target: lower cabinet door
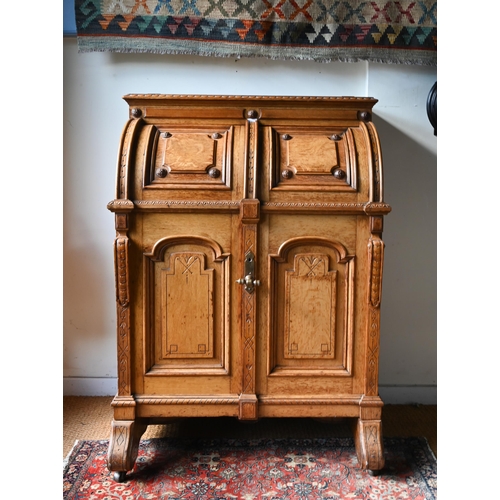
[[190, 346], [310, 309]]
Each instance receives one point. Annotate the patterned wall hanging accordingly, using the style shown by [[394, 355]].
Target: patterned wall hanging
[[319, 30]]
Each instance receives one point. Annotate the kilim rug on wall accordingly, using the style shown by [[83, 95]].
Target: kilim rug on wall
[[403, 31], [277, 469]]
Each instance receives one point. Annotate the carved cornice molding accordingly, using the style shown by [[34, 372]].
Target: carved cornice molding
[[340, 207], [120, 206], [179, 205], [244, 98], [233, 206], [377, 208]]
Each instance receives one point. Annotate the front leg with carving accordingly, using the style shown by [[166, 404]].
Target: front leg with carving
[[369, 445], [123, 446]]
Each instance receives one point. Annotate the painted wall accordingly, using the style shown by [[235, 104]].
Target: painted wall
[[94, 115]]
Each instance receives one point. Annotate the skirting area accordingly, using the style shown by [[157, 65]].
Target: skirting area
[[90, 418], [394, 394]]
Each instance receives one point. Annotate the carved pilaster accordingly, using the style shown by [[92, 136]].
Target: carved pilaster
[[250, 212], [123, 315], [251, 158], [375, 161], [126, 144], [375, 259]]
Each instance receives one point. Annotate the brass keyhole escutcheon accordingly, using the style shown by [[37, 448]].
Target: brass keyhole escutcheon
[[249, 280]]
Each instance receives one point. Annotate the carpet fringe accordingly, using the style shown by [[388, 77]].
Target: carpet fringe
[[68, 456], [85, 46], [430, 449]]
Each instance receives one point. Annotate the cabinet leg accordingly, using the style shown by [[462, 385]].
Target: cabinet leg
[[369, 446], [123, 446]]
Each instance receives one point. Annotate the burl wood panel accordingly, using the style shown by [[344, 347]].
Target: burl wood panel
[[248, 263], [186, 306], [311, 304], [304, 159], [310, 308], [191, 158]]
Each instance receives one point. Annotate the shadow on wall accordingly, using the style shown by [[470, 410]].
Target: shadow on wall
[[409, 305]]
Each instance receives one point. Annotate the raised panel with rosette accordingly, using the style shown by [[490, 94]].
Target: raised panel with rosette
[[312, 158], [311, 302], [186, 307], [190, 158]]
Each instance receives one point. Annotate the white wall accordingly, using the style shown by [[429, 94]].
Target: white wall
[[94, 115]]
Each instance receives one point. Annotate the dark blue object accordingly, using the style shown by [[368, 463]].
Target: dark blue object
[[69, 24]]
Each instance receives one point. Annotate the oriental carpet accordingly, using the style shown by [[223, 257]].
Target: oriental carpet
[[171, 468], [402, 31]]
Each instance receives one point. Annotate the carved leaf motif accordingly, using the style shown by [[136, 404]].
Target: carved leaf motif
[[376, 249]]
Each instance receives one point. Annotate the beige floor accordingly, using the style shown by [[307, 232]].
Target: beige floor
[[90, 418]]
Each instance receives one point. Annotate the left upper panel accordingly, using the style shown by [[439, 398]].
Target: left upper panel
[[189, 162], [190, 158]]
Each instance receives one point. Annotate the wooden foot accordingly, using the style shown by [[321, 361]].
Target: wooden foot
[[369, 446], [123, 446]]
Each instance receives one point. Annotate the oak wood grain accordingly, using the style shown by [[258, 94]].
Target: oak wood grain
[[248, 262]]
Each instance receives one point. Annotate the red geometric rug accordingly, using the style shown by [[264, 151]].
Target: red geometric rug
[[271, 469]]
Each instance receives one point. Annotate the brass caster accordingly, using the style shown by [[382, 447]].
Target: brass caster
[[119, 477]]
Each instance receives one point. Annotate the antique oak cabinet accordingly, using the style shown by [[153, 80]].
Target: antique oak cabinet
[[248, 261]]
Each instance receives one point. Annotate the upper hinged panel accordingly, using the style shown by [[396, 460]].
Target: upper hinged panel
[[312, 159], [190, 158], [310, 153]]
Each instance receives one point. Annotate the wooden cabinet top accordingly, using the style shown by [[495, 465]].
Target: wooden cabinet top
[[313, 154]]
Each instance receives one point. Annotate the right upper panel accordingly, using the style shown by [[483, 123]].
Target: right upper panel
[[312, 159]]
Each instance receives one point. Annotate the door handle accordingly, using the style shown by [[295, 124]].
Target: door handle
[[249, 280], [249, 283]]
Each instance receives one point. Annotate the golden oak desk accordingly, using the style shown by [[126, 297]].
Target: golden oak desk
[[248, 260]]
